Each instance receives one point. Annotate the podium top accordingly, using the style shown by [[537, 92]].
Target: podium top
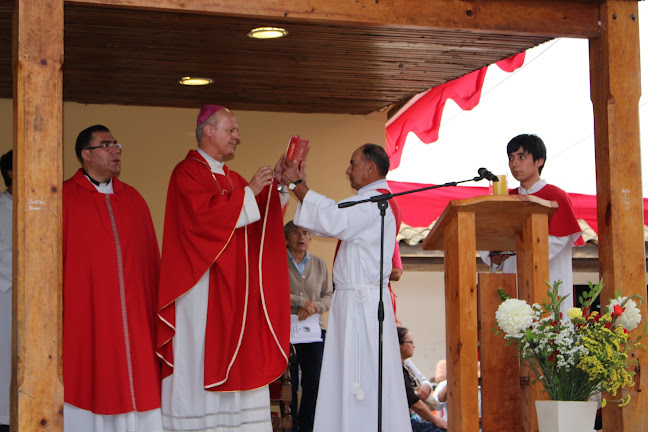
[[497, 219]]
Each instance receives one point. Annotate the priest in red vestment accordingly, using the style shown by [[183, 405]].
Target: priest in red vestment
[[110, 275], [224, 299]]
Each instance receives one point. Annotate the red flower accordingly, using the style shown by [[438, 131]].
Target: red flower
[[618, 311], [552, 356]]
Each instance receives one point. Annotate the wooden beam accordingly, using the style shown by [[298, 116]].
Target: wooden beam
[[615, 91], [572, 18], [37, 388]]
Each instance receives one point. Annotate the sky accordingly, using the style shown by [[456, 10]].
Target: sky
[[548, 96]]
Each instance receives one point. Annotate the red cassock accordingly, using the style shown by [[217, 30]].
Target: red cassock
[[248, 313], [110, 275], [563, 222]]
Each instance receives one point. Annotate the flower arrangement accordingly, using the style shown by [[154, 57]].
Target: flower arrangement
[[577, 356]]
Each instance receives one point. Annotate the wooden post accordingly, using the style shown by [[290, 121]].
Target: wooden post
[[461, 323], [615, 91], [532, 247], [37, 388]]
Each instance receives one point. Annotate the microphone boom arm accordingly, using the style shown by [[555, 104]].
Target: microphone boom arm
[[388, 196]]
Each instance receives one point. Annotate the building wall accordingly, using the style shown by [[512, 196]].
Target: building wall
[[421, 308]]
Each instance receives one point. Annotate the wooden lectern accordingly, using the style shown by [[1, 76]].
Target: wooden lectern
[[498, 222]]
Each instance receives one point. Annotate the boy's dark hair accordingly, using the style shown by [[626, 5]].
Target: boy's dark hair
[[531, 144]]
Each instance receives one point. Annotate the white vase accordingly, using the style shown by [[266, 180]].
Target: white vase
[[566, 416]]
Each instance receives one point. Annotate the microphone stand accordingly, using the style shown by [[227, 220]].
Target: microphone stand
[[382, 201]]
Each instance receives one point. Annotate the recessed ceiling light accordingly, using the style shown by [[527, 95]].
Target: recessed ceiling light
[[267, 33], [195, 81]]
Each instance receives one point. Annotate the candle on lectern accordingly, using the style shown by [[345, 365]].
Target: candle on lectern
[[500, 188]]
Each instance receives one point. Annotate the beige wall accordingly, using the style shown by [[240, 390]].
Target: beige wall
[[421, 308], [6, 128]]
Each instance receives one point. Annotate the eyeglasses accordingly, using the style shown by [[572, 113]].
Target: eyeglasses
[[111, 146]]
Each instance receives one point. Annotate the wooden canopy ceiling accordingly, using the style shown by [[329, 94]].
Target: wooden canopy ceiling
[[118, 55]]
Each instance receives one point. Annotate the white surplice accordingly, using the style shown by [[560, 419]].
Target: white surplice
[[348, 393]]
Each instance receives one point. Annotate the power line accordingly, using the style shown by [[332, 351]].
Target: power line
[[586, 138]]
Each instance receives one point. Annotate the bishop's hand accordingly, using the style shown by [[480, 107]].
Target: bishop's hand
[[262, 178]]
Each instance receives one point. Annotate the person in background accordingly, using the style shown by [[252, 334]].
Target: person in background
[[527, 155], [6, 241], [422, 419], [110, 275], [311, 292], [347, 399], [423, 386]]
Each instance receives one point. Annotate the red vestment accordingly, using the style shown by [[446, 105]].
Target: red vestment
[[248, 313], [397, 262], [110, 276], [563, 222]]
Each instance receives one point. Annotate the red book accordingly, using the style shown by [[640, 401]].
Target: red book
[[297, 149]]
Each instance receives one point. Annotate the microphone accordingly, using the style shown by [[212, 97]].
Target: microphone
[[485, 174]]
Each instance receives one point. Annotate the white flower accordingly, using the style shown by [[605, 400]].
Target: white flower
[[514, 316], [630, 318]]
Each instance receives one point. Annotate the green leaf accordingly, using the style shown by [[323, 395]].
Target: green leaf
[[502, 294]]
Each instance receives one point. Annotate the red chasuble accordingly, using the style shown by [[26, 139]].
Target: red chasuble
[[110, 276], [563, 222], [248, 313]]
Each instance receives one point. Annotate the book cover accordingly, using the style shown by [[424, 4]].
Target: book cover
[[297, 149]]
